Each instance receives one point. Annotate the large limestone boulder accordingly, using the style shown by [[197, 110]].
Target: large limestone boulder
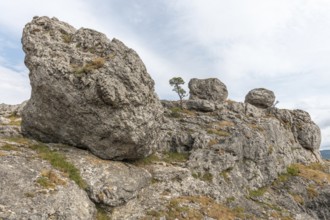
[[260, 97], [88, 91], [211, 89]]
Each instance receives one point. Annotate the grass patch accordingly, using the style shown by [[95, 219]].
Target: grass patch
[[171, 157], [293, 170], [96, 63], [59, 162], [213, 142], [8, 147], [18, 140], [14, 120], [101, 213], [168, 157], [29, 194], [298, 199], [190, 207], [314, 172], [67, 38], [225, 175], [176, 112], [218, 132], [146, 161], [206, 177], [311, 192], [258, 192]]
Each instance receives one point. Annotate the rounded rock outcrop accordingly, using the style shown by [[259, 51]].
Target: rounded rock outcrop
[[260, 97], [211, 89], [88, 91]]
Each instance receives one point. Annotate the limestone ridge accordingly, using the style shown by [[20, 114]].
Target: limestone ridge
[[213, 159], [88, 91]]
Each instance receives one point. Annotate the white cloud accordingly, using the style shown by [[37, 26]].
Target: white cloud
[[14, 86]]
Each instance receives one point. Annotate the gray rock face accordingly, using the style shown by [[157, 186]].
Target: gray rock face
[[200, 105], [262, 98], [23, 197], [208, 89], [108, 183], [306, 131], [88, 91]]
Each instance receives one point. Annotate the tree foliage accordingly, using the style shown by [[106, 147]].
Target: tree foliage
[[176, 82]]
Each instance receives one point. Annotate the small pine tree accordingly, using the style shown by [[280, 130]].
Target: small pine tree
[[176, 82]]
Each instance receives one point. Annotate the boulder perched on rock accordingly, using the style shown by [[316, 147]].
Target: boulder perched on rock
[[208, 89], [260, 97], [88, 91]]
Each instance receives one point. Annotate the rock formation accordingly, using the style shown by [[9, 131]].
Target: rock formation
[[208, 89], [88, 92], [262, 98], [215, 159]]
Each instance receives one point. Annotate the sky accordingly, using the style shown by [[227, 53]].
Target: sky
[[280, 45]]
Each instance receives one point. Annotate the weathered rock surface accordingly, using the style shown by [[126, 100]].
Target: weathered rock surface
[[305, 130], [88, 92], [108, 183], [208, 89], [10, 120], [10, 110], [260, 97], [22, 196]]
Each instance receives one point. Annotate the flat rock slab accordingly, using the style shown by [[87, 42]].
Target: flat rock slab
[[108, 182], [22, 197]]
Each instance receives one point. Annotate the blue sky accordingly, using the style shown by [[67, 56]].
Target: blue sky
[[277, 44]]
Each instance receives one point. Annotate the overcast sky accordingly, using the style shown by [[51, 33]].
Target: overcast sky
[[282, 45]]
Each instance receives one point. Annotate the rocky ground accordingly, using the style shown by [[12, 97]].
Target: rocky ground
[[201, 171]]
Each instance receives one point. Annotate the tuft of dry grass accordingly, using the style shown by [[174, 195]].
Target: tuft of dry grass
[[298, 199], [96, 63], [194, 208], [49, 179], [220, 133], [313, 172], [213, 142]]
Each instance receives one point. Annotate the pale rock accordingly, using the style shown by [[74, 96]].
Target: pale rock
[[88, 91], [260, 97], [211, 89]]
